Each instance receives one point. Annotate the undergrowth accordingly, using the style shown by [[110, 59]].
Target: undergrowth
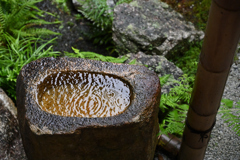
[[231, 114], [187, 58], [17, 53], [102, 17], [95, 56], [62, 5], [194, 11], [17, 18], [175, 105]]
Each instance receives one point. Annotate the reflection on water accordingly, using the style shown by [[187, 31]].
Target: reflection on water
[[83, 94]]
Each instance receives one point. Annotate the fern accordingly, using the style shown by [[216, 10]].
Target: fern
[[102, 17], [123, 1], [164, 79], [17, 53], [18, 16], [231, 114], [62, 5], [98, 12], [175, 104], [95, 56], [188, 62]]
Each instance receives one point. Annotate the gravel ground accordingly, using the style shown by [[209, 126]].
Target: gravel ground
[[224, 143]]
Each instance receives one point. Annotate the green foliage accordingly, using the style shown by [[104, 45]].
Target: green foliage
[[231, 114], [175, 104], [201, 11], [189, 58], [95, 56], [102, 17], [132, 62], [16, 15], [98, 12], [99, 36], [194, 11], [164, 79], [62, 5], [78, 16], [17, 53]]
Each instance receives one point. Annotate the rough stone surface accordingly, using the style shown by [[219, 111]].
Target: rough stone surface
[[152, 27], [127, 136], [11, 147], [158, 64]]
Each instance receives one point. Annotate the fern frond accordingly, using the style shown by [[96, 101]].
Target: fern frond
[[123, 1], [40, 32], [21, 15], [231, 114], [102, 17], [95, 56], [2, 19], [18, 53], [176, 103], [164, 79], [98, 12]]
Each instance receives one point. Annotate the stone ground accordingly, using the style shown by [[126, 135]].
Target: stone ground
[[224, 144]]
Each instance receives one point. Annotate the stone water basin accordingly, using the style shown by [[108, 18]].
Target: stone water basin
[[83, 94], [71, 108]]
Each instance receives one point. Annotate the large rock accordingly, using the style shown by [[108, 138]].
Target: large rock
[[152, 27], [11, 147], [129, 135], [158, 64]]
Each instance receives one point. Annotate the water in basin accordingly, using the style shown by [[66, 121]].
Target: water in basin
[[83, 94]]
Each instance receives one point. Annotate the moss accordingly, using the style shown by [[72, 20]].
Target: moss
[[143, 16], [159, 67], [131, 28], [156, 25], [164, 5], [135, 4]]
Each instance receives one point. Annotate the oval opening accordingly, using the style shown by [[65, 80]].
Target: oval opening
[[83, 94]]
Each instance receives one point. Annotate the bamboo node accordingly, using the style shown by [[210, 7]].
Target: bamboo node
[[203, 134]]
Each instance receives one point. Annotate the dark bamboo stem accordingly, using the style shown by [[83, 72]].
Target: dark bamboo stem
[[169, 143], [220, 42]]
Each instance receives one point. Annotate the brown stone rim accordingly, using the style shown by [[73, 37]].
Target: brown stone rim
[[143, 83]]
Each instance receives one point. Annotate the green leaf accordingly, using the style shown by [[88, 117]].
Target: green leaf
[[164, 79], [227, 102], [132, 62], [78, 52]]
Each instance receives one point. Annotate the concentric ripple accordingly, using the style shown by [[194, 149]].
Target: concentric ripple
[[83, 94]]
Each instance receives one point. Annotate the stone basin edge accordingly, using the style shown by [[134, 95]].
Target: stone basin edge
[[144, 84]]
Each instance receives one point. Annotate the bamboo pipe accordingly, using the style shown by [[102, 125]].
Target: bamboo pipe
[[169, 143], [219, 45]]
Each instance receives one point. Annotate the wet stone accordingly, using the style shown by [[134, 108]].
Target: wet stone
[[152, 27], [11, 147], [160, 65], [116, 116]]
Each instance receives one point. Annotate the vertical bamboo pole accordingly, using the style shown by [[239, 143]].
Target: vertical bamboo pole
[[220, 42]]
